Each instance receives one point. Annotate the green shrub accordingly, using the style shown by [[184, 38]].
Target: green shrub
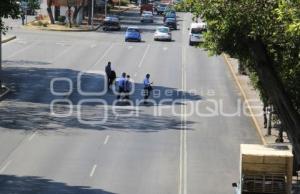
[[124, 2], [39, 23], [61, 19], [181, 7]]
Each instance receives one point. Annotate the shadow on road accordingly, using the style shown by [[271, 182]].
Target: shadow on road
[[33, 105], [11, 184]]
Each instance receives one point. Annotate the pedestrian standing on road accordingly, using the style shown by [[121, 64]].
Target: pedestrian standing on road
[[147, 87], [128, 87], [108, 74], [121, 85], [23, 18]]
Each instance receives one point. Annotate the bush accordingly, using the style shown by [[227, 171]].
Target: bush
[[123, 2], [181, 7], [61, 19]]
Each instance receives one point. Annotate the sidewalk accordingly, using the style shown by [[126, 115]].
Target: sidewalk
[[251, 97]]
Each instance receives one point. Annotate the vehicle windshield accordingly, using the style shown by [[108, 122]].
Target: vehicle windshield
[[109, 23], [162, 5], [132, 30], [170, 20], [198, 30], [170, 15], [163, 30]]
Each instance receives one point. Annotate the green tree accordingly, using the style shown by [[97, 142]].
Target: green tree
[[8, 8], [34, 4], [266, 34]]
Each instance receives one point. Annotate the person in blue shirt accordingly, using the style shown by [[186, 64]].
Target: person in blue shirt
[[121, 85], [147, 87]]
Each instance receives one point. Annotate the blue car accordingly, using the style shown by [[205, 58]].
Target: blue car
[[133, 34]]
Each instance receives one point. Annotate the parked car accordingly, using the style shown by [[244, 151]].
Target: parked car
[[196, 33], [162, 33], [133, 33], [171, 23], [111, 23], [147, 16]]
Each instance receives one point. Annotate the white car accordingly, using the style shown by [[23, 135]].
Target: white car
[[162, 33], [147, 16], [196, 33]]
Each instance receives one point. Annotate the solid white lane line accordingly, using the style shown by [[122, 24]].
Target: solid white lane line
[[106, 139], [32, 136], [182, 189], [4, 167], [145, 53], [93, 170]]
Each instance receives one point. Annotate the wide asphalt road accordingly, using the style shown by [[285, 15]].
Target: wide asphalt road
[[59, 134]]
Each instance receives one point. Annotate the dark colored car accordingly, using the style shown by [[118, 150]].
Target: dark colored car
[[171, 23], [160, 8], [111, 23], [170, 15]]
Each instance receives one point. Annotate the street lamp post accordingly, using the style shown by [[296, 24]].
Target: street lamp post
[[0, 57], [105, 8], [92, 22]]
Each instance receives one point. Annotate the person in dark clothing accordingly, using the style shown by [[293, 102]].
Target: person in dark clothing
[[128, 87], [108, 74], [23, 18], [113, 77]]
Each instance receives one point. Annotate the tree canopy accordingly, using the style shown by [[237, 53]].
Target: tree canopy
[[265, 35], [8, 8]]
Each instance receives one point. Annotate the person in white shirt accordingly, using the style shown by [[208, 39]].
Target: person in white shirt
[[147, 87]]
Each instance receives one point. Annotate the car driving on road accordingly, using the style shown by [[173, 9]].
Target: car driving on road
[[147, 16], [162, 33], [171, 23], [111, 23], [160, 8], [170, 15], [133, 33], [196, 33]]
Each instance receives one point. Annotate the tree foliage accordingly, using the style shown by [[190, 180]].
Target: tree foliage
[[8, 8], [34, 4], [266, 35]]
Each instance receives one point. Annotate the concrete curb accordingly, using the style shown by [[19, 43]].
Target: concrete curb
[[9, 39], [2, 95], [255, 122]]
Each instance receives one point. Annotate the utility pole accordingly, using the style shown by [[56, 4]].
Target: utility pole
[[105, 8], [0, 56], [92, 22]]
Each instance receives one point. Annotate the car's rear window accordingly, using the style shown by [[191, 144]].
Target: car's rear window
[[198, 30], [132, 30], [170, 20], [163, 30]]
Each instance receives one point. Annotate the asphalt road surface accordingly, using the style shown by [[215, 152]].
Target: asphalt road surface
[[58, 134]]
